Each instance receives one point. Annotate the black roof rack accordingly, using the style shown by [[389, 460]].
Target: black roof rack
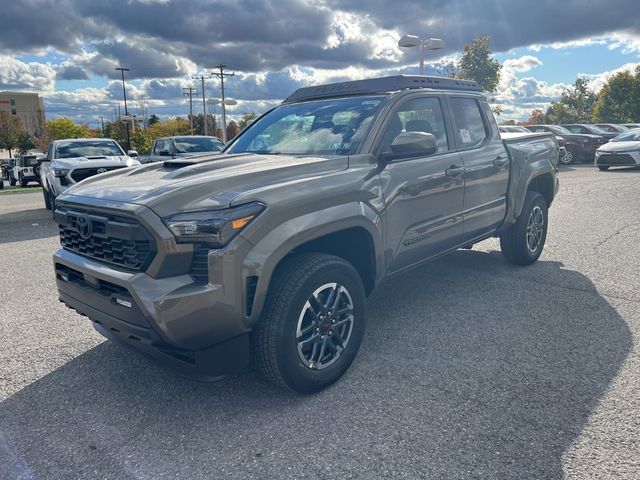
[[380, 85]]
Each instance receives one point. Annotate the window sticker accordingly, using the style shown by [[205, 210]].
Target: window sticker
[[375, 103], [465, 135]]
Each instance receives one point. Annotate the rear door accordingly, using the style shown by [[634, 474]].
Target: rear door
[[486, 165], [424, 193]]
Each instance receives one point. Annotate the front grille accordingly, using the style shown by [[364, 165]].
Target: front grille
[[616, 159], [200, 264], [111, 239], [80, 174]]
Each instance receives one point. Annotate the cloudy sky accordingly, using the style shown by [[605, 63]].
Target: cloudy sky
[[67, 50]]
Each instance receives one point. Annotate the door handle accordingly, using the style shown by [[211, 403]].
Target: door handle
[[454, 171], [500, 161]]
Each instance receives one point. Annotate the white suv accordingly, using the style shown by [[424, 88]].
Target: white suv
[[71, 161]]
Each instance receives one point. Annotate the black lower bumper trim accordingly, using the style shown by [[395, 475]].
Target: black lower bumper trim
[[209, 364]]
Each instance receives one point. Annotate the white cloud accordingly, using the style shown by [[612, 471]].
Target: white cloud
[[33, 76]]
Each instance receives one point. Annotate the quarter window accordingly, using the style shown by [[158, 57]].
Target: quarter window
[[470, 128]]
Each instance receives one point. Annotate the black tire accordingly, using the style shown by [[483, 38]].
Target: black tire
[[52, 202], [24, 183], [12, 182], [47, 199], [603, 168], [1, 184], [516, 243], [274, 339], [570, 157]]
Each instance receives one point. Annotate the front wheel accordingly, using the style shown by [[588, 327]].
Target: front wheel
[[312, 324], [24, 183], [522, 242], [568, 158]]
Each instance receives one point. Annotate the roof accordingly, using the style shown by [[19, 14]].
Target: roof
[[381, 85]]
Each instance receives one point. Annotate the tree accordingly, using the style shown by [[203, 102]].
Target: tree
[[153, 119], [536, 118], [24, 143], [575, 105], [247, 119], [61, 128], [170, 127], [10, 130], [478, 64], [141, 141], [619, 100], [232, 130], [198, 124]]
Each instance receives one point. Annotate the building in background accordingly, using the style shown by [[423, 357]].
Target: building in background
[[28, 107]]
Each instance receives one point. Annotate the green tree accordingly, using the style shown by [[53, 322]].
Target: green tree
[[153, 119], [478, 64], [619, 100], [24, 143], [247, 119], [198, 124], [141, 141], [61, 128], [575, 105], [10, 130], [169, 127]]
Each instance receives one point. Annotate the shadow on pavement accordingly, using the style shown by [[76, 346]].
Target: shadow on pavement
[[26, 224], [469, 368]]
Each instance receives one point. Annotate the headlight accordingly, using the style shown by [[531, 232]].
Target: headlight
[[60, 172], [216, 227]]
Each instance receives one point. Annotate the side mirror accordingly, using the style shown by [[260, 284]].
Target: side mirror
[[412, 144], [164, 153], [132, 153]]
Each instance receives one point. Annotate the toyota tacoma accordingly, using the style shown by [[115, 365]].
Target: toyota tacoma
[[266, 252]]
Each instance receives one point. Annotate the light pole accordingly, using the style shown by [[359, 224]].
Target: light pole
[[220, 74], [216, 101], [126, 113], [408, 41]]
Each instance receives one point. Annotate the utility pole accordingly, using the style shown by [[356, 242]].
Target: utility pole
[[204, 104], [126, 112], [220, 74], [188, 92]]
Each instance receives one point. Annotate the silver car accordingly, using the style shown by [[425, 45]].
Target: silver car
[[621, 151]]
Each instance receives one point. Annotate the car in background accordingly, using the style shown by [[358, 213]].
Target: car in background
[[71, 161], [562, 151], [612, 128], [26, 169], [589, 129], [183, 146], [622, 151], [581, 147]]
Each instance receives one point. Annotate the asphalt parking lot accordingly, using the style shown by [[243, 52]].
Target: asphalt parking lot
[[470, 368]]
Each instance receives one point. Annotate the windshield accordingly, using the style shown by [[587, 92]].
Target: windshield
[[597, 130], [630, 136], [30, 161], [198, 144], [324, 127], [559, 130], [84, 148]]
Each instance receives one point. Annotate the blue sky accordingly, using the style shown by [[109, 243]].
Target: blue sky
[[277, 46]]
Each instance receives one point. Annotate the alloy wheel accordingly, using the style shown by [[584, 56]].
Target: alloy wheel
[[535, 229]]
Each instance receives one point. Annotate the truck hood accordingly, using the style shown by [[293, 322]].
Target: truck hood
[[620, 147], [84, 162], [211, 182]]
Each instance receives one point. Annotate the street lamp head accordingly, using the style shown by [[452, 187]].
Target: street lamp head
[[409, 41], [229, 101], [433, 44], [213, 101]]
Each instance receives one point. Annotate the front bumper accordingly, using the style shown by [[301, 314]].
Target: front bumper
[[199, 327]]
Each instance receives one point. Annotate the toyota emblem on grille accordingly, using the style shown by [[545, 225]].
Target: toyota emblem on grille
[[102, 170], [83, 226]]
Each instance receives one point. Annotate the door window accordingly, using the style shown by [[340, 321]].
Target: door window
[[470, 127], [417, 115]]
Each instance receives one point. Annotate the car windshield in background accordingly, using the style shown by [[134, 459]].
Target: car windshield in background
[[87, 149], [30, 161], [560, 130], [324, 127], [632, 136], [198, 144], [596, 130]]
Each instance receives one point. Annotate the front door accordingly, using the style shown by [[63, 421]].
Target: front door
[[423, 194]]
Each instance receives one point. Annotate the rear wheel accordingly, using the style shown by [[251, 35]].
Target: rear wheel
[[603, 168], [12, 181], [312, 324], [522, 242], [24, 183]]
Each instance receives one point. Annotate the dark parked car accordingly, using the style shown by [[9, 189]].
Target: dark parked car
[[581, 147], [268, 250], [589, 129], [562, 151], [612, 128]]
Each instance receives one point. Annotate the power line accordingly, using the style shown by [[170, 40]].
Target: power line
[[220, 74]]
